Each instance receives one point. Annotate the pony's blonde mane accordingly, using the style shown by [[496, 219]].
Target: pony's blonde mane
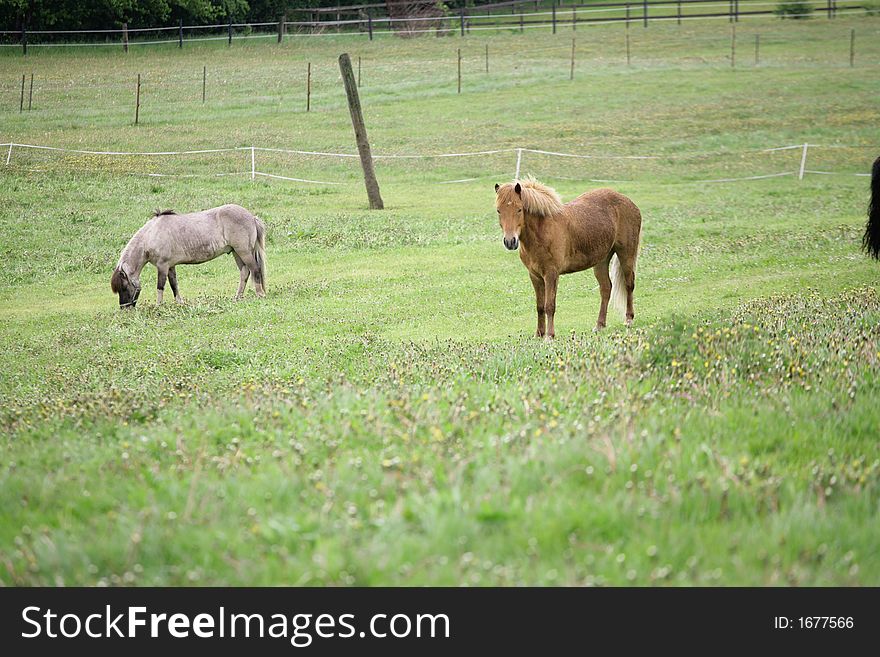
[[536, 197]]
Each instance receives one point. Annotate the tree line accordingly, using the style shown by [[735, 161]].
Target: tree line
[[108, 14]]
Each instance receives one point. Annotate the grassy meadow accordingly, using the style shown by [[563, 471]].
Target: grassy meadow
[[385, 416]]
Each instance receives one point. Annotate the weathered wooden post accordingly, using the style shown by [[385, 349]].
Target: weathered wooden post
[[125, 37], [21, 105], [137, 101], [281, 22], [462, 21], [733, 46], [180, 34], [554, 16], [229, 43], [679, 12], [645, 12], [360, 133], [309, 87], [370, 23], [359, 71], [852, 47], [23, 40]]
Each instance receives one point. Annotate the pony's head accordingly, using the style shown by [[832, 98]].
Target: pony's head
[[520, 199], [127, 289]]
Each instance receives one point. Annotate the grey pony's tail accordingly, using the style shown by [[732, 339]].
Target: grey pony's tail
[[260, 250], [871, 238]]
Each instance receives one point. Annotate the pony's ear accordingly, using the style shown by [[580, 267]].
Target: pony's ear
[[497, 187], [517, 188], [116, 281]]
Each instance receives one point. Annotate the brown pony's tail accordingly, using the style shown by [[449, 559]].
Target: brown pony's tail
[[871, 238], [260, 250]]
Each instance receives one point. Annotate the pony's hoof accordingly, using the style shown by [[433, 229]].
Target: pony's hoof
[[180, 301], [629, 321], [598, 328], [549, 338], [538, 334]]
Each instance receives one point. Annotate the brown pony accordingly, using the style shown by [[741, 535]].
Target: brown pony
[[600, 229]]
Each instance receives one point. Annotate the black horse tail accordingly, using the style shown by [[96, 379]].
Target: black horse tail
[[871, 239]]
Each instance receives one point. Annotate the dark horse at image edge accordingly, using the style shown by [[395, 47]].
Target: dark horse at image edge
[[871, 238]]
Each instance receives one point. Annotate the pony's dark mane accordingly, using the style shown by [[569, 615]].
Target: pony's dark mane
[[157, 213], [871, 238], [116, 281]]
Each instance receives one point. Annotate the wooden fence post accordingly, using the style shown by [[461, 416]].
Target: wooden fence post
[[370, 23], [281, 22], [21, 105], [645, 12], [180, 34], [803, 162], [137, 101], [360, 133], [574, 19], [125, 37], [31, 93], [462, 21], [309, 87], [554, 16], [230, 32], [679, 12], [627, 15], [359, 70], [733, 46], [852, 47]]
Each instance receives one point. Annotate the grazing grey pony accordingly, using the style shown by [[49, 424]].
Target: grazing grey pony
[[170, 239]]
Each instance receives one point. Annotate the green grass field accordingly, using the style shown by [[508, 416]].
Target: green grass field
[[384, 415]]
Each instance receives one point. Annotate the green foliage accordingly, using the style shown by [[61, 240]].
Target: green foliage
[[795, 9]]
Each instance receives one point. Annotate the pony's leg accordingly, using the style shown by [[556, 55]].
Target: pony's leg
[[251, 263], [244, 272], [538, 284], [172, 278], [601, 272], [550, 282], [160, 283], [629, 279]]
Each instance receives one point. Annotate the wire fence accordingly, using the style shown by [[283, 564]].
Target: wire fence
[[468, 19], [308, 78], [310, 167]]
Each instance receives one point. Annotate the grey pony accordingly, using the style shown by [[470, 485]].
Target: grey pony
[[169, 239]]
